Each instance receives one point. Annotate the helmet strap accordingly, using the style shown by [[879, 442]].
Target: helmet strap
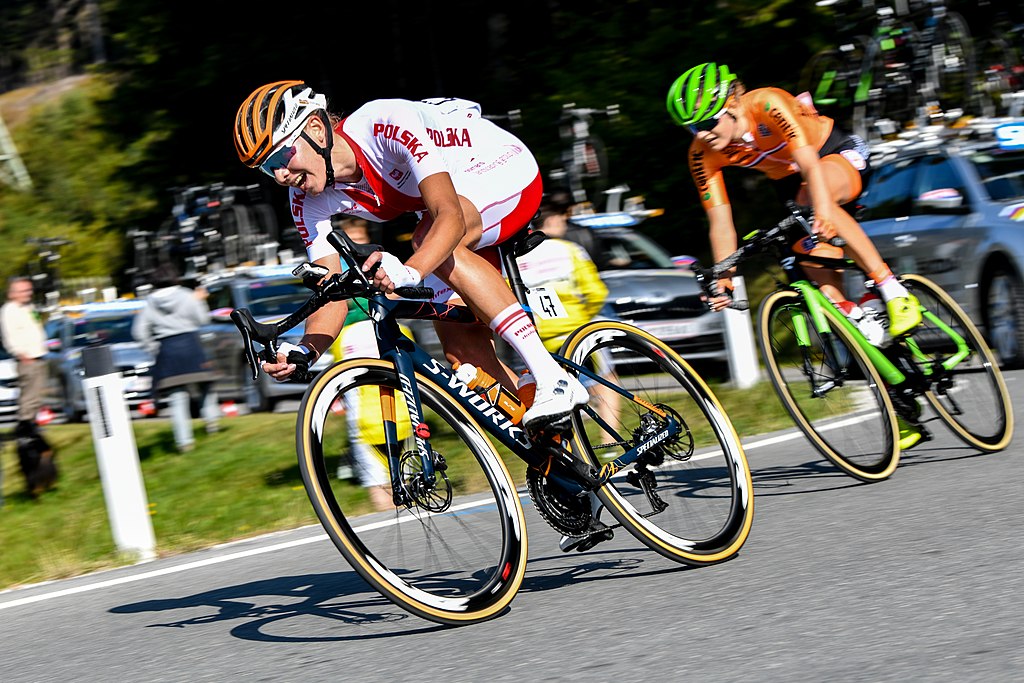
[[324, 151]]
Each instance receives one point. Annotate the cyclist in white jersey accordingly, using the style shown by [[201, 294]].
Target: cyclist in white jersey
[[472, 183]]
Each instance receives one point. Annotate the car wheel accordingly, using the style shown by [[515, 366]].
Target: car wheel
[[1004, 317]]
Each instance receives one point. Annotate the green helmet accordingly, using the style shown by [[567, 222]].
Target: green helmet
[[700, 93]]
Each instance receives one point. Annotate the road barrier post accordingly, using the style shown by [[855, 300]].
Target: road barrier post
[[739, 340], [117, 455]]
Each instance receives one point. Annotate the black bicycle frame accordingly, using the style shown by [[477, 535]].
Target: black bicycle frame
[[409, 358]]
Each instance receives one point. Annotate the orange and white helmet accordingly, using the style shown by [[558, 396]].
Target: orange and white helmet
[[272, 114]]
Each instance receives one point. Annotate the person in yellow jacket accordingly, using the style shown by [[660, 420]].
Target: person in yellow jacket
[[565, 268]]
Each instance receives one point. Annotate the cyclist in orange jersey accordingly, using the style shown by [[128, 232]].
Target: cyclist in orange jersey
[[811, 161]]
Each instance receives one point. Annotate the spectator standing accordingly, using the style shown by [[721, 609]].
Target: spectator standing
[[24, 338], [567, 269], [168, 327]]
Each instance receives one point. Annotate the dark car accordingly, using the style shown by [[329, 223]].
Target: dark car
[[949, 204], [270, 293], [73, 329]]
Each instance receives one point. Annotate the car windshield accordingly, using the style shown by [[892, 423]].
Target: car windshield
[[617, 251], [1002, 175], [112, 330], [276, 298]]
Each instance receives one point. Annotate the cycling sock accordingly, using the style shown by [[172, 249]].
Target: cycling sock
[[515, 327], [888, 286]]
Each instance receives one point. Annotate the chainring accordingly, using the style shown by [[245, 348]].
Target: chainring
[[567, 514]]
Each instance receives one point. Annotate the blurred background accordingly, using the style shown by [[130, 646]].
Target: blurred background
[[113, 104]]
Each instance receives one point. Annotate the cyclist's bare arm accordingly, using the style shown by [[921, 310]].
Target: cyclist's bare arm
[[446, 230], [322, 327], [722, 234]]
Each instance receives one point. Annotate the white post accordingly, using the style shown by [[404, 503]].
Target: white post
[[739, 340], [117, 455]]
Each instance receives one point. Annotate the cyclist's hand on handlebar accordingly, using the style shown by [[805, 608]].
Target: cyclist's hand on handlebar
[[391, 273], [292, 363], [723, 297], [823, 226]]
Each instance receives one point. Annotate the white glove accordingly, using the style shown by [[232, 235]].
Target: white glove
[[400, 274]]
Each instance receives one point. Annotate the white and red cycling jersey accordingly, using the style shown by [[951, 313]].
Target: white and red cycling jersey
[[398, 143]]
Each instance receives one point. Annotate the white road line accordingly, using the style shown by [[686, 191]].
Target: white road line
[[188, 566]]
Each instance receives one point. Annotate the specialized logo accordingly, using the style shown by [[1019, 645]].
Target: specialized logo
[[643, 448], [400, 135], [475, 399]]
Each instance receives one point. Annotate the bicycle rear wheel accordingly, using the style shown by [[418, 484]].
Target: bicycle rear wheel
[[830, 388], [701, 475], [457, 554], [971, 397]]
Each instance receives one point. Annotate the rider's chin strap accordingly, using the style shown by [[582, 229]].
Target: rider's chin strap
[[325, 152]]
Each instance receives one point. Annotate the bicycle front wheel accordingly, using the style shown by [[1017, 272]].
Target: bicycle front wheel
[[457, 553], [701, 506], [971, 396], [830, 388]]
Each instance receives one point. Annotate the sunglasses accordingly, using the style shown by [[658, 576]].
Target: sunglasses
[[281, 156], [707, 124]]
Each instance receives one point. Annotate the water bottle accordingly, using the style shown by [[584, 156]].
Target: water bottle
[[527, 388], [491, 389], [874, 324]]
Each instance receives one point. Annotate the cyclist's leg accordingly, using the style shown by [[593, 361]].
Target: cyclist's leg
[[496, 205], [842, 171]]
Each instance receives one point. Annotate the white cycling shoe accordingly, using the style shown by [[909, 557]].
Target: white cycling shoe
[[555, 400]]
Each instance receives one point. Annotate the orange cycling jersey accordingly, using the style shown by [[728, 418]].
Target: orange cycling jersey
[[781, 124]]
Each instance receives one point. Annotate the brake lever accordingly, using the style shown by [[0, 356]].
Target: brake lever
[[253, 332]]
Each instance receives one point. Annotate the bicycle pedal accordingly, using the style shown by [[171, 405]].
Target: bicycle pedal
[[599, 534]]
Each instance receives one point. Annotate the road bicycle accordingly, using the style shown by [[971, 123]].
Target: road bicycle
[[666, 464], [900, 72], [844, 392]]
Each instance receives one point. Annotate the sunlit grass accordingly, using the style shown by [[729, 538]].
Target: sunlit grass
[[239, 482]]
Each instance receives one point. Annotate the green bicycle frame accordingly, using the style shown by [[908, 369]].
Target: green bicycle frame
[[816, 302]]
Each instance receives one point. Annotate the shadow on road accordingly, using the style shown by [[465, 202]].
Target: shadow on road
[[339, 596]]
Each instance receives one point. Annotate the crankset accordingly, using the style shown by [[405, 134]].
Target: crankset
[[567, 513]]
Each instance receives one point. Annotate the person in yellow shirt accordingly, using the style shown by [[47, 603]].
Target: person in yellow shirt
[[565, 268]]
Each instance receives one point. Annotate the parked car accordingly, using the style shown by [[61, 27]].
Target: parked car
[[646, 288], [75, 328], [950, 206], [270, 293], [8, 388]]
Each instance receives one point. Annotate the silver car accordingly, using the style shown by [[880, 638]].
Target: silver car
[[950, 206], [75, 328], [645, 287]]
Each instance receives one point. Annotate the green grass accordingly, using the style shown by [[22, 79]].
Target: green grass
[[239, 482]]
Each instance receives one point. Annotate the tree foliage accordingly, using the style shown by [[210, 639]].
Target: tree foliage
[[160, 110]]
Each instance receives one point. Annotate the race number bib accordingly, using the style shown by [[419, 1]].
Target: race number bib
[[545, 303]]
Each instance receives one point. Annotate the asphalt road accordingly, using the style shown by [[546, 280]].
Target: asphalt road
[[915, 578]]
